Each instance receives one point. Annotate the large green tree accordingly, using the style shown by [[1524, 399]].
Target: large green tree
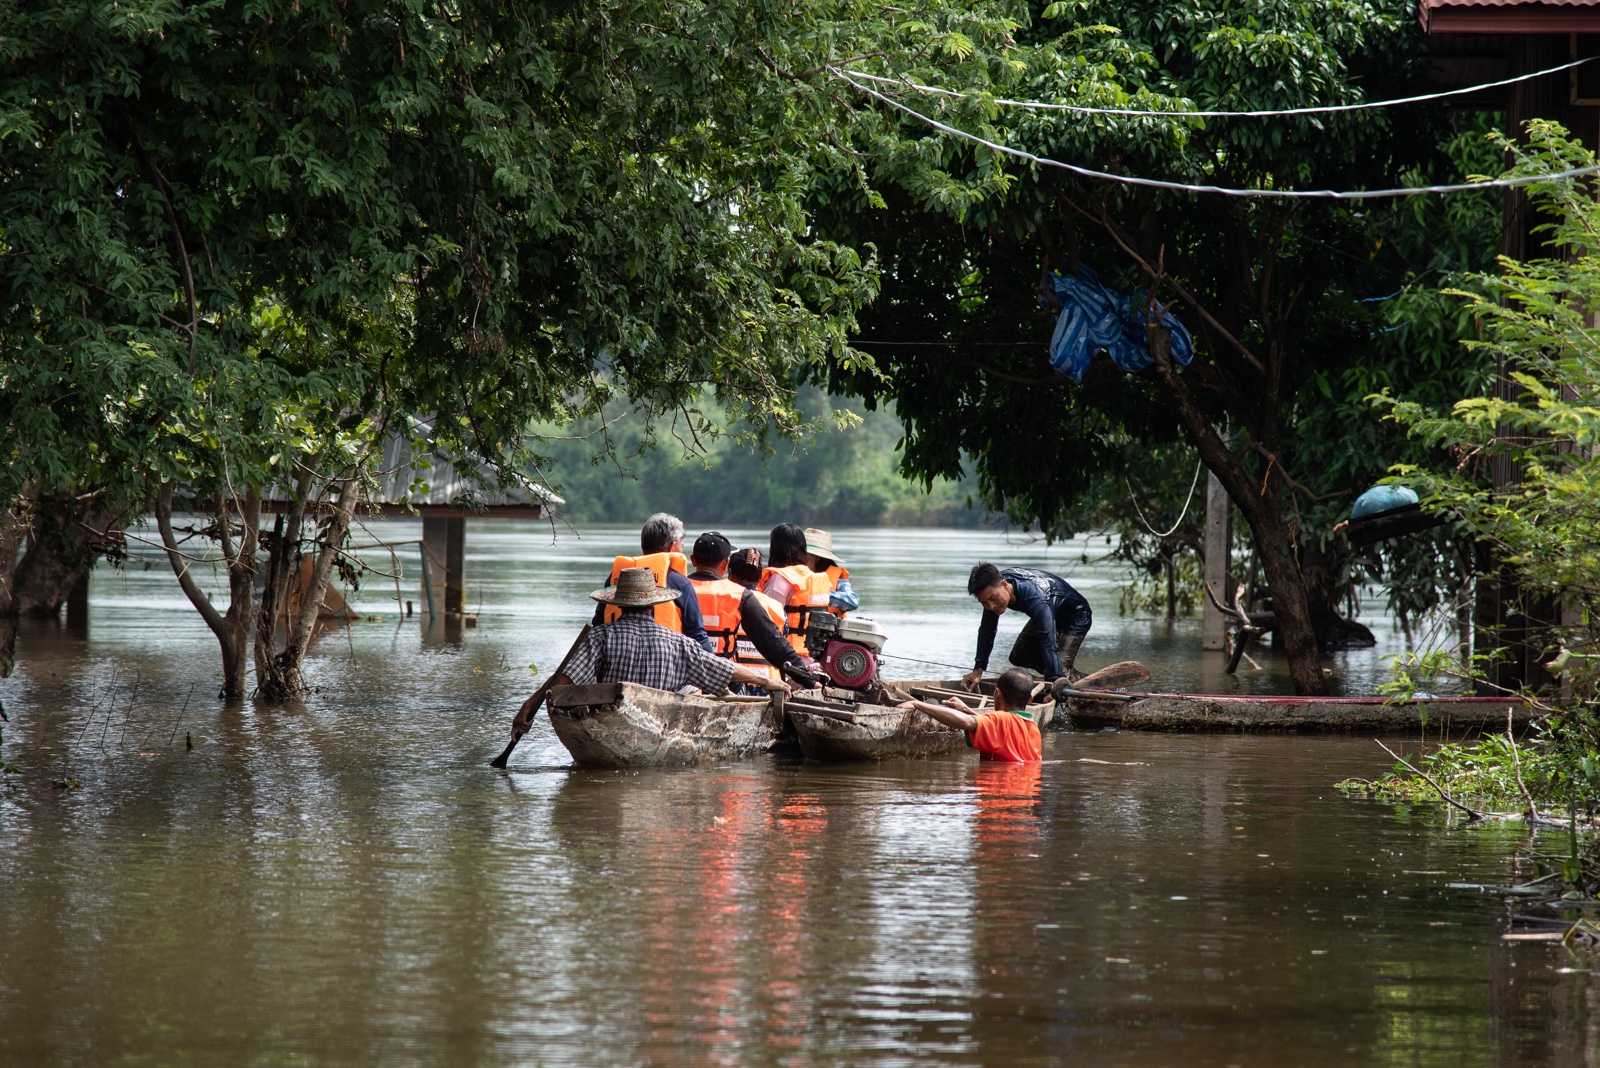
[[1272, 289], [245, 240]]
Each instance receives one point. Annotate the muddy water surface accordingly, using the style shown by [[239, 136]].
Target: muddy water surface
[[344, 882]]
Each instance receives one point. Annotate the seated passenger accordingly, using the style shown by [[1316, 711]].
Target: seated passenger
[[819, 550], [789, 580], [1008, 733], [661, 545], [635, 648], [760, 644]]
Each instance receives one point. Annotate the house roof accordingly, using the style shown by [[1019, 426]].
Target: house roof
[[1509, 16]]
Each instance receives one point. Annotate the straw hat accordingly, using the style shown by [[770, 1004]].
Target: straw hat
[[636, 588], [820, 543]]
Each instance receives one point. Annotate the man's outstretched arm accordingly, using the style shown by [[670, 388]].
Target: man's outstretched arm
[[952, 713]]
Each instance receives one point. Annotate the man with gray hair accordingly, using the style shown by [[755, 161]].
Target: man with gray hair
[[661, 546]]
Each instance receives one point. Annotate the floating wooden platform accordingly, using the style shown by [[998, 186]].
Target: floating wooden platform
[[622, 725], [1214, 712]]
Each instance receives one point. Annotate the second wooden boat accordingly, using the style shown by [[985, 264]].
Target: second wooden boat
[[849, 731], [623, 725], [1214, 712]]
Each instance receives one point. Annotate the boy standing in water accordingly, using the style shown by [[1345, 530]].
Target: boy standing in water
[[1008, 733]]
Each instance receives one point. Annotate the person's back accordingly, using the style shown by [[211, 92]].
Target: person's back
[[1007, 733]]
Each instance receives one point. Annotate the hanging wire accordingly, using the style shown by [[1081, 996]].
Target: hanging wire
[[1323, 109], [1134, 500], [1220, 190]]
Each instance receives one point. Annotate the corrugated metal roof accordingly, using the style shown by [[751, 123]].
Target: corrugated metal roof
[[1509, 16], [452, 482]]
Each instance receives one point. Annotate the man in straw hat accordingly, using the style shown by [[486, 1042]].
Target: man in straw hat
[[635, 648], [819, 547]]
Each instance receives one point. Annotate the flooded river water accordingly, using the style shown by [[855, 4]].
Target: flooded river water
[[345, 882]]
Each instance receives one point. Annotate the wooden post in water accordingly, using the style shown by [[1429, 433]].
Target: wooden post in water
[[446, 538], [1213, 624]]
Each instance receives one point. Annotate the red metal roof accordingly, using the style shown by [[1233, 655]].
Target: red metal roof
[[1510, 16]]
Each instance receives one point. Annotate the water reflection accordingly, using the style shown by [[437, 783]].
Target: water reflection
[[344, 882]]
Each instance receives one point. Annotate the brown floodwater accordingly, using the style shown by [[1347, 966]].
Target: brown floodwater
[[345, 882]]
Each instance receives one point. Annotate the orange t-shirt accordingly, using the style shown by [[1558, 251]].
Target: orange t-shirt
[[1006, 736]]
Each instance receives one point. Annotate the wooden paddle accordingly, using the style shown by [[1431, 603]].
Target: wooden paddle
[[524, 719], [1116, 677]]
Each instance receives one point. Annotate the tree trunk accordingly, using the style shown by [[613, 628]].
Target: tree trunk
[[15, 520], [283, 555], [233, 628], [1170, 566], [1262, 508], [68, 537], [293, 656]]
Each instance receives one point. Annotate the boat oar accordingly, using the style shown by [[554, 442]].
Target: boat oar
[[524, 719], [1116, 677]]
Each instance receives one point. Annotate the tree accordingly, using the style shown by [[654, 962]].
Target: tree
[[487, 215], [1270, 288]]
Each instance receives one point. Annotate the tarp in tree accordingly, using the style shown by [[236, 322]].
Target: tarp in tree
[[1093, 318]]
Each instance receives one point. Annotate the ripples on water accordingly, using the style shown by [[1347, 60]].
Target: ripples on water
[[345, 882]]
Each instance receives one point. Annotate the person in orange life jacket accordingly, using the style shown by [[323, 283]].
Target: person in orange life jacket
[[1009, 733], [760, 639], [661, 540], [819, 551], [789, 580]]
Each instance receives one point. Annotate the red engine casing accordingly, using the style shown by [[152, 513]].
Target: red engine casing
[[849, 664]]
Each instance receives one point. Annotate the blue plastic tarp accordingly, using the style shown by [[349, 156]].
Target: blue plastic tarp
[[1093, 318]]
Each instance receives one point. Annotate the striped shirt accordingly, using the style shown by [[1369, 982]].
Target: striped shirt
[[637, 649]]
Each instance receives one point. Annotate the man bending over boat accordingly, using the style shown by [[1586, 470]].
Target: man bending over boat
[[635, 648], [1058, 619], [1008, 733]]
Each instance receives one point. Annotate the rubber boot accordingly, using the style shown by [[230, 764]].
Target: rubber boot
[[1067, 647]]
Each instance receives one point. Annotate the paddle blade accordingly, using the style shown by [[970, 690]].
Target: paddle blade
[[505, 755], [1116, 677]]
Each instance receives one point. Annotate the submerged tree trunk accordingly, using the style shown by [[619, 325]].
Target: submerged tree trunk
[[1262, 508], [286, 666], [68, 537], [15, 519], [233, 627], [283, 556]]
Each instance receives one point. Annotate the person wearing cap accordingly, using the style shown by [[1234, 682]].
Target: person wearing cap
[[824, 561], [719, 598], [661, 545], [635, 648], [759, 643], [1009, 733]]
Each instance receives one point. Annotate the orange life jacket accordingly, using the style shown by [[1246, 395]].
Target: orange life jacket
[[667, 613], [719, 610], [808, 592], [745, 653], [836, 574]]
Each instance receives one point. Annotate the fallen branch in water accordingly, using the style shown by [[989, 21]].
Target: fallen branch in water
[[1429, 779], [1516, 765]]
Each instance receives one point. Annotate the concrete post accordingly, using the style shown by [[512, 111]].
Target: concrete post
[[1213, 624], [446, 540]]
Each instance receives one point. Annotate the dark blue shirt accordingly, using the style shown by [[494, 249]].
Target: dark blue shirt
[[1045, 599], [688, 609]]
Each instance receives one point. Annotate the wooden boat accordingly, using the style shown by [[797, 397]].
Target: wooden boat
[[834, 730], [623, 725], [1255, 712]]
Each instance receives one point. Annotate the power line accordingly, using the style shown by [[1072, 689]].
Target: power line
[[1324, 109], [1220, 190]]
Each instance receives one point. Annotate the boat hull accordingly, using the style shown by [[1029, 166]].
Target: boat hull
[[621, 725], [878, 732], [1209, 712]]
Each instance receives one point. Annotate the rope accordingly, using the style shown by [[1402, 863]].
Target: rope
[[1324, 109], [1135, 502], [1227, 191], [934, 663]]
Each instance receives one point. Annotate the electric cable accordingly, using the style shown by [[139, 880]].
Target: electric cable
[[1321, 109], [1220, 190]]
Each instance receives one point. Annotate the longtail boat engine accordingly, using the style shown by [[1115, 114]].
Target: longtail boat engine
[[846, 648]]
